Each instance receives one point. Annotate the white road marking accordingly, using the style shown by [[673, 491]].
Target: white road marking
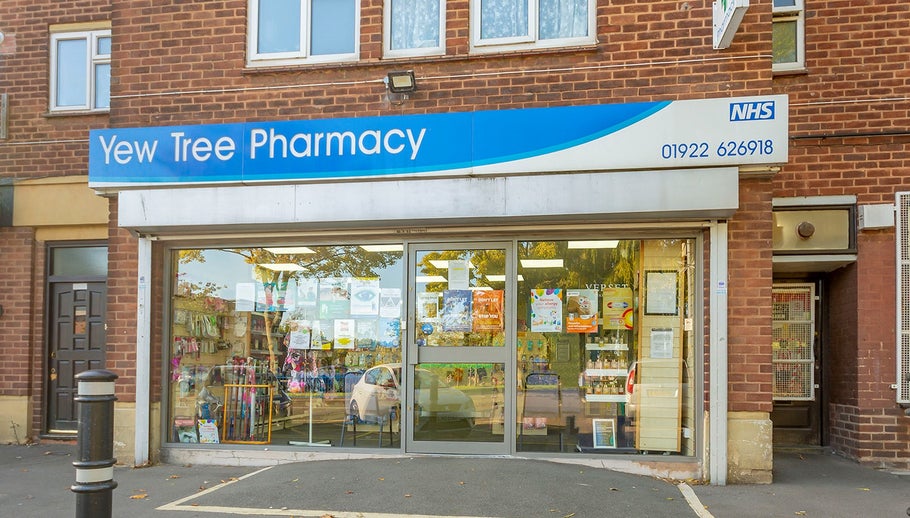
[[693, 501], [179, 505]]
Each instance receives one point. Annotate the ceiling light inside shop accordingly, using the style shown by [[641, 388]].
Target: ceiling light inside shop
[[481, 288], [291, 250], [383, 248], [500, 278], [282, 267], [609, 243], [443, 264], [542, 263], [431, 278]]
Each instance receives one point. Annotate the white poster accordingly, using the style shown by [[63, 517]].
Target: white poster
[[344, 333], [245, 296], [365, 297], [546, 310], [458, 275], [390, 302]]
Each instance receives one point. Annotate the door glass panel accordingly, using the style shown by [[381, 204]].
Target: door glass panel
[[459, 402], [79, 261], [460, 298]]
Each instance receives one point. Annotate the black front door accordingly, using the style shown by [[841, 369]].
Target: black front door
[[76, 344]]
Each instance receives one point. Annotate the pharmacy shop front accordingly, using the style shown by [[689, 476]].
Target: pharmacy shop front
[[530, 282]]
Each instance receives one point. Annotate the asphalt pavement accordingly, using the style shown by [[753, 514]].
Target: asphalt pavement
[[35, 481]]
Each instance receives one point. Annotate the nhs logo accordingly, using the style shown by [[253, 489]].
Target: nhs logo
[[752, 111]]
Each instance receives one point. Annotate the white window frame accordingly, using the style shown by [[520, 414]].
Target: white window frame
[[388, 52], [92, 59], [789, 14], [532, 40], [256, 59]]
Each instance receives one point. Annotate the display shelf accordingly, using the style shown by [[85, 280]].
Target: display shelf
[[606, 347], [607, 372], [605, 398]]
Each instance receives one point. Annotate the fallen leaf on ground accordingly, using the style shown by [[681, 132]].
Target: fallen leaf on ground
[[864, 489], [173, 477], [140, 496], [407, 496], [800, 513]]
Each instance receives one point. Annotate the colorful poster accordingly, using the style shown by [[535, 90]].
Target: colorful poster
[[390, 302], [456, 310], [208, 431], [487, 311], [322, 335], [427, 306], [389, 332], [581, 311], [334, 298], [307, 290], [546, 310], [617, 308], [344, 333], [365, 297], [271, 297], [366, 333]]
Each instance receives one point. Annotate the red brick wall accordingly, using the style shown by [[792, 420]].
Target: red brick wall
[[122, 287], [749, 299], [18, 299], [850, 130], [24, 71]]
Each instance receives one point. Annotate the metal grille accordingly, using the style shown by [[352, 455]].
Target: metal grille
[[793, 333], [903, 298]]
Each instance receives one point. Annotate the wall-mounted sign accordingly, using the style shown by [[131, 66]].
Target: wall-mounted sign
[[652, 135], [728, 14]]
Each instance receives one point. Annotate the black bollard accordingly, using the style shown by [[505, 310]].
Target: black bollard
[[95, 468]]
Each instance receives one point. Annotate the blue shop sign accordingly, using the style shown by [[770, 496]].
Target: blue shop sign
[[572, 138]]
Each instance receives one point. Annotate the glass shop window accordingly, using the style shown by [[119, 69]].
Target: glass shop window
[[268, 344], [606, 346]]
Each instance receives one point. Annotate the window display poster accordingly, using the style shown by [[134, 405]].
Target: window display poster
[[366, 333], [390, 302], [208, 431], [661, 293], [272, 296], [546, 310], [300, 335], [662, 343], [334, 298], [322, 335], [581, 311], [458, 275], [307, 290], [389, 332], [456, 310], [344, 333], [245, 296], [365, 297], [427, 306], [604, 433], [617, 308], [486, 311]]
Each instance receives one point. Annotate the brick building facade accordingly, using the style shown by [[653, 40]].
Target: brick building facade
[[186, 65]]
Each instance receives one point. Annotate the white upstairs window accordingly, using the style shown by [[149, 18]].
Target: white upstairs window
[[288, 32], [498, 25], [80, 78]]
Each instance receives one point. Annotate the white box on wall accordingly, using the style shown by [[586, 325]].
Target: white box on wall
[[876, 216]]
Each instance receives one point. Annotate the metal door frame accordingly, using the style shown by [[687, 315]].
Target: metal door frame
[[505, 355]]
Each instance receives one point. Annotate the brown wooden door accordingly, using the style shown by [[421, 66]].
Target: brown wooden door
[[77, 344]]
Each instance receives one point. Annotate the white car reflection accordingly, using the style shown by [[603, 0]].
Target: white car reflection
[[377, 393]]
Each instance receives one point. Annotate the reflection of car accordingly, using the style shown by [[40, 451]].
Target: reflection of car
[[378, 392]]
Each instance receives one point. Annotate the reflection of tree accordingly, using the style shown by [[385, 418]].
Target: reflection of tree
[[323, 262]]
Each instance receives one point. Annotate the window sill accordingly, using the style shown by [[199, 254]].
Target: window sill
[[75, 113], [790, 72], [502, 52]]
